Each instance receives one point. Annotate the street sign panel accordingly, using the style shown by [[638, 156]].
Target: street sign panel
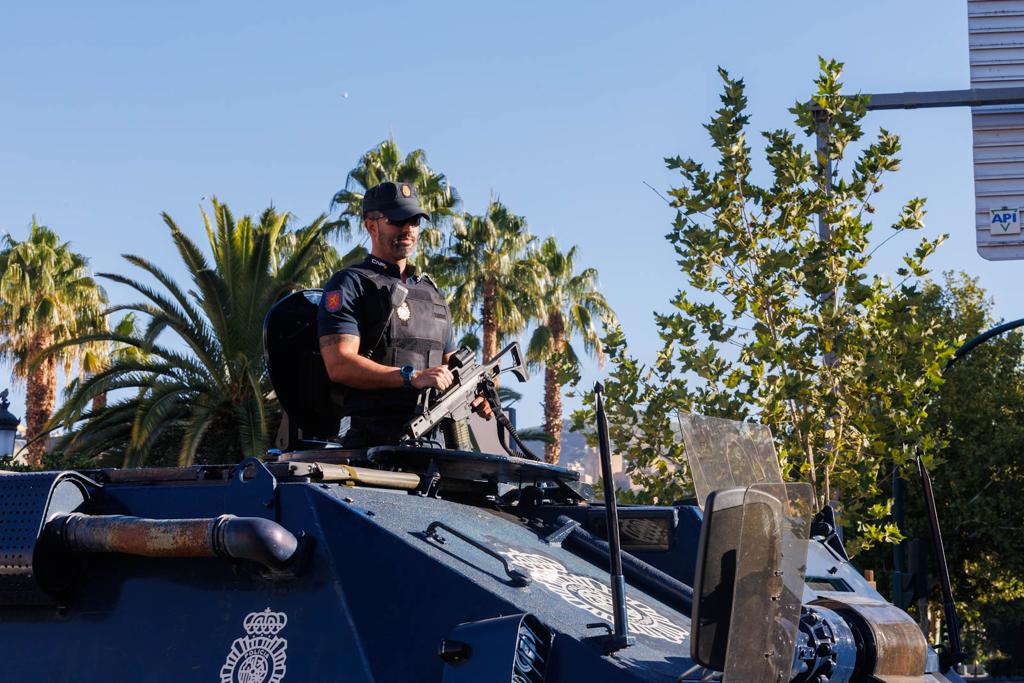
[[1004, 221], [996, 32]]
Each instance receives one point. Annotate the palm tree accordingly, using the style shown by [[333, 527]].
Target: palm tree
[[210, 382], [96, 356], [385, 163], [326, 261], [487, 271], [46, 297], [570, 304]]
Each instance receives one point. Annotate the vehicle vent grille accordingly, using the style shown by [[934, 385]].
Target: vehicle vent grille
[[24, 502], [533, 649]]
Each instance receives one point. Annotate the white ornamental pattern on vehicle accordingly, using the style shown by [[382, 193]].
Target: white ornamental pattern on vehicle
[[260, 656], [595, 597]]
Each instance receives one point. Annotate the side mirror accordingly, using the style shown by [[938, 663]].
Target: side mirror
[[715, 576], [749, 582]]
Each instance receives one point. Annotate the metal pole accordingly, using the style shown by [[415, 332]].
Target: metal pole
[[821, 140], [972, 344], [935, 99], [956, 653], [824, 229]]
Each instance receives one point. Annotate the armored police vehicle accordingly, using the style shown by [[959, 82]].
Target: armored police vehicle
[[433, 561]]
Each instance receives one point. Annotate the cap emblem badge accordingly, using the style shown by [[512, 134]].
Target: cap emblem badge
[[403, 312], [406, 190]]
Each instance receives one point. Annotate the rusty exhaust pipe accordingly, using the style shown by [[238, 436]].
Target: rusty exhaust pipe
[[237, 538]]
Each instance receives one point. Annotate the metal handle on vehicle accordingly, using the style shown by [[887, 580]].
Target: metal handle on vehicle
[[518, 578]]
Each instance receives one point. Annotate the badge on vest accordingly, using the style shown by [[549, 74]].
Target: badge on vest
[[403, 312]]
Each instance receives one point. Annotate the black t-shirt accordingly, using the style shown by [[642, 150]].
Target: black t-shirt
[[347, 307]]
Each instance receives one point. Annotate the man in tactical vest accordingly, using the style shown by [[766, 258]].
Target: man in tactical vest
[[385, 330]]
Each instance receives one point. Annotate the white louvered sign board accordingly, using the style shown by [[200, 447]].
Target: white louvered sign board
[[996, 30]]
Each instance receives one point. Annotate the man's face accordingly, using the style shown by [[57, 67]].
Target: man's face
[[391, 241]]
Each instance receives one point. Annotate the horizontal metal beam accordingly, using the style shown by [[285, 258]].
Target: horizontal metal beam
[[974, 97]]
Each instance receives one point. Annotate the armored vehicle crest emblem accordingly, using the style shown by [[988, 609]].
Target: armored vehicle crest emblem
[[260, 656]]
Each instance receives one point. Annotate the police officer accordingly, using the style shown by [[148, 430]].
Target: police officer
[[378, 352]]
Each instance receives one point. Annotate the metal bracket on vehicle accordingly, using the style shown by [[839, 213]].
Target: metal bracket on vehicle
[[252, 491], [430, 482], [561, 533], [824, 526]]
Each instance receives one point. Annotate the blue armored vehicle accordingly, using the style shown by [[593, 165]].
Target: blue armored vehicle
[[434, 561]]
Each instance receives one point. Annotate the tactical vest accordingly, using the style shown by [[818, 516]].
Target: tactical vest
[[414, 335]]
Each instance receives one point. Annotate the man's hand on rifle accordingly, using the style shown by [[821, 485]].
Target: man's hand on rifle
[[438, 377], [482, 407]]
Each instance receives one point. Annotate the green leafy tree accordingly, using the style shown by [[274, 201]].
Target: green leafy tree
[[492, 282], [46, 296], [207, 384], [776, 325], [569, 307], [638, 425], [978, 472], [385, 163]]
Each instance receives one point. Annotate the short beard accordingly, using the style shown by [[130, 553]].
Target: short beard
[[401, 250]]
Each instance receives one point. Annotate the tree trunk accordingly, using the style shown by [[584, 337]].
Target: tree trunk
[[488, 321], [553, 390], [40, 398], [552, 414]]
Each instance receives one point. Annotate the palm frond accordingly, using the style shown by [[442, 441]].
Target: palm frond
[[211, 370], [196, 427]]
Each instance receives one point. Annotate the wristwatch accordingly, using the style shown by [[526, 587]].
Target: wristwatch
[[407, 372]]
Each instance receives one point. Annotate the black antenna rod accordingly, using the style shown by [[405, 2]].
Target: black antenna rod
[[956, 652], [620, 637]]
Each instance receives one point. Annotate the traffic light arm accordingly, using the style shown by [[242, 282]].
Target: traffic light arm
[[932, 99]]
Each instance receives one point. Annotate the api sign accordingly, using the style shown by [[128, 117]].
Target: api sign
[[996, 38], [1004, 221]]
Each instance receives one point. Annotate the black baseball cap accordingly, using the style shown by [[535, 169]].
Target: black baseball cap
[[397, 201]]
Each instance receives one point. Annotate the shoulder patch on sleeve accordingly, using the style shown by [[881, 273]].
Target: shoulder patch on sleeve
[[332, 300]]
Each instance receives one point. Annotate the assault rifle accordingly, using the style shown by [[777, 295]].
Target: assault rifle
[[449, 411]]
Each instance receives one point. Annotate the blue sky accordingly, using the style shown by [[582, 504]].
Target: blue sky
[[112, 112]]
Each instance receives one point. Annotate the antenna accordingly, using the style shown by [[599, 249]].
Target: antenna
[[619, 638]]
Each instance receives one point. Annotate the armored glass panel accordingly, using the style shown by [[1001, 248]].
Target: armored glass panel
[[771, 563], [726, 453]]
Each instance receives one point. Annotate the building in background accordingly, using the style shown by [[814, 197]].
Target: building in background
[[579, 457]]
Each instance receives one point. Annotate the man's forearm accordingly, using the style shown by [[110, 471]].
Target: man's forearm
[[347, 367]]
